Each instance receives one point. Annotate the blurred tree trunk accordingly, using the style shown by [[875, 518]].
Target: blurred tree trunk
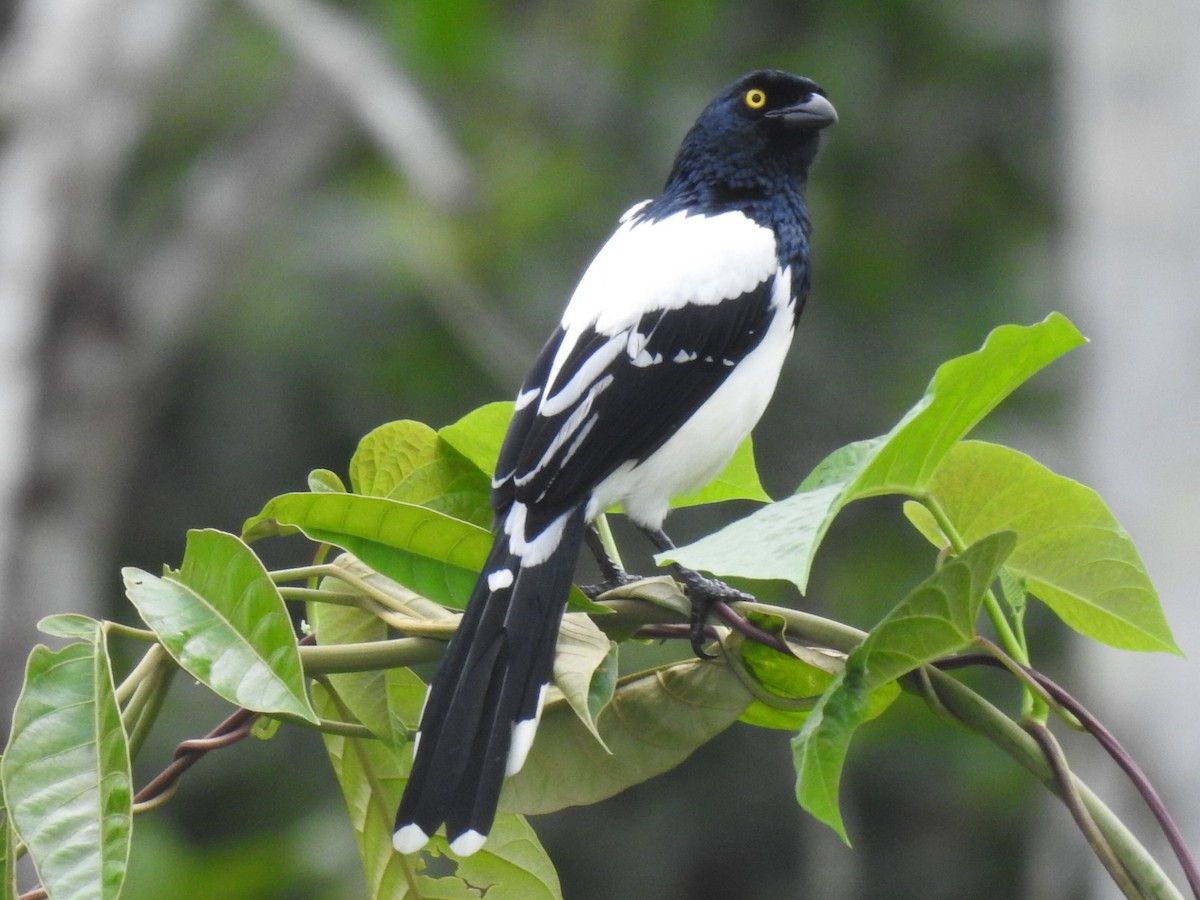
[[97, 309], [94, 318], [76, 83], [1130, 83]]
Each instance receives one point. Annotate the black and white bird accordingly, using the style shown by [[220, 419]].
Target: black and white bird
[[664, 360]]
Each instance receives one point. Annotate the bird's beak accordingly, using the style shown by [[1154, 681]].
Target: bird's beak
[[814, 113]]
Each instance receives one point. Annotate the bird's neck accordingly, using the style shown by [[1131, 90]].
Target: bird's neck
[[771, 199]]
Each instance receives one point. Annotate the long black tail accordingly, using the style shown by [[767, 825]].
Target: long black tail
[[486, 697]]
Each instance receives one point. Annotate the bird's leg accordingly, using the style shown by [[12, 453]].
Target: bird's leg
[[613, 573], [702, 591]]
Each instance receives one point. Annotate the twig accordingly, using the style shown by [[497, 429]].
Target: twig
[[1133, 771], [1074, 803], [987, 721], [743, 625], [1062, 698], [188, 753]]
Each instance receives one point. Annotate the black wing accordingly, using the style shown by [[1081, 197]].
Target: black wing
[[663, 368]]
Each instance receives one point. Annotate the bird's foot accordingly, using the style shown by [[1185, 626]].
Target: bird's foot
[[704, 593]]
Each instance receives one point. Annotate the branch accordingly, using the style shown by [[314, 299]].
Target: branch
[[1134, 772], [1070, 707], [989, 722], [1079, 812], [190, 752]]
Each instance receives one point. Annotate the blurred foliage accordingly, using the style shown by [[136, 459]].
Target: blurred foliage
[[932, 204]]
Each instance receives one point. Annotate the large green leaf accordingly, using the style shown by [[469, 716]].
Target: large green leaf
[[935, 619], [222, 619], [780, 540], [585, 668], [511, 866], [430, 552], [479, 434], [655, 720], [407, 461], [938, 618], [819, 749], [1071, 552], [372, 776], [66, 773]]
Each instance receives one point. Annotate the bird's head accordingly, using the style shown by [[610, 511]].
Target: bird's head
[[763, 128]]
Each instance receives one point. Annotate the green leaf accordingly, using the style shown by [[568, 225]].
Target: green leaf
[[222, 619], [66, 772], [71, 626], [1071, 552], [780, 540], [372, 776], [1014, 592], [478, 435], [804, 676], [937, 618], [585, 667], [819, 750], [922, 519], [654, 722], [407, 461], [429, 552], [322, 481], [511, 866]]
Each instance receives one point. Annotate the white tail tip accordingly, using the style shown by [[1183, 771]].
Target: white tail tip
[[467, 842], [409, 839], [522, 737]]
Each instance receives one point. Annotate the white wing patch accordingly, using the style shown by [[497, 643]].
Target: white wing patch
[[668, 263], [648, 266]]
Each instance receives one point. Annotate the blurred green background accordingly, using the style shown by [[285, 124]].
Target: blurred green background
[[348, 268]]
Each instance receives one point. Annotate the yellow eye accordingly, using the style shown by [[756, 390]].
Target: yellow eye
[[755, 98]]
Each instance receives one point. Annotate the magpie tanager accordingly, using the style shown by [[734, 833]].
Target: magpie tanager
[[665, 358]]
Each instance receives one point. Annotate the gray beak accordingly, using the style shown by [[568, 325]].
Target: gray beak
[[814, 113]]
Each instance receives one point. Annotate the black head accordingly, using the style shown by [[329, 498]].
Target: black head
[[759, 134]]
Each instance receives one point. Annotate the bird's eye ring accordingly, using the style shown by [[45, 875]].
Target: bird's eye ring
[[755, 98]]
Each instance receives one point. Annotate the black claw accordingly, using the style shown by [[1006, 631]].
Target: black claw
[[703, 592], [696, 635]]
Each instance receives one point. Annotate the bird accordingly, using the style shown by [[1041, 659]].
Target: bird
[[665, 358]]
